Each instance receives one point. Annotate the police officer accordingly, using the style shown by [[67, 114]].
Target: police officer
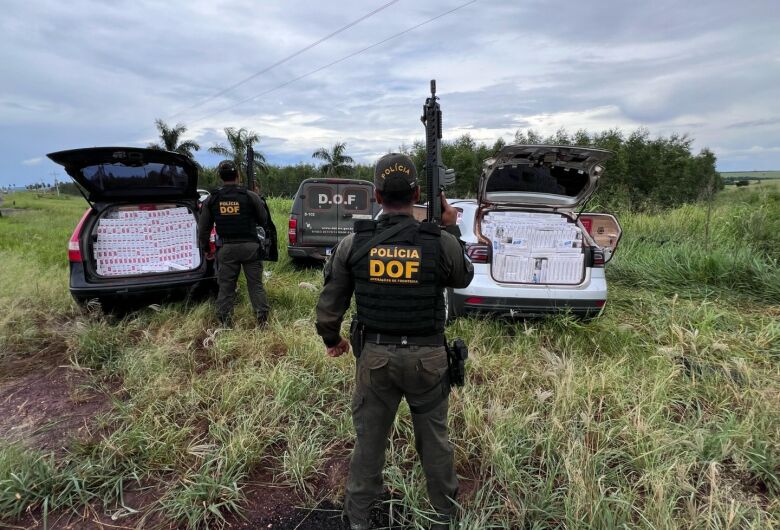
[[398, 269], [237, 213]]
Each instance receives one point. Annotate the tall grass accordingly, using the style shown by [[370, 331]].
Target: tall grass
[[671, 252], [662, 413]]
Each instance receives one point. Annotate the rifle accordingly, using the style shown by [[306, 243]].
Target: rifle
[[437, 176], [250, 169], [266, 235]]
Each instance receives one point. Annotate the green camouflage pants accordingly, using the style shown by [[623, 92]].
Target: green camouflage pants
[[385, 374], [230, 258]]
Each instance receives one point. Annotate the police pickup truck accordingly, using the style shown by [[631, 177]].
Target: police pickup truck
[[324, 211]]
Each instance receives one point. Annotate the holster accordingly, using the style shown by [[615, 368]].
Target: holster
[[264, 242], [457, 353], [357, 337]]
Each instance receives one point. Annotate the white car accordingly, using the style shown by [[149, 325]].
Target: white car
[[533, 252]]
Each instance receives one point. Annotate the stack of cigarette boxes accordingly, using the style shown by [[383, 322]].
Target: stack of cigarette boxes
[[530, 247], [142, 242]]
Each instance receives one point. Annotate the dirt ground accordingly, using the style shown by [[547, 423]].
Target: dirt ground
[[44, 402]]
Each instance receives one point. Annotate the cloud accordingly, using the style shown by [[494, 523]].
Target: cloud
[[32, 161], [755, 123], [87, 73]]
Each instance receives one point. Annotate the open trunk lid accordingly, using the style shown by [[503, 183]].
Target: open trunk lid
[[541, 176], [130, 174]]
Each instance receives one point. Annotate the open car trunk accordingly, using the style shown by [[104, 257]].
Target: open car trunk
[[534, 247], [140, 240], [526, 195]]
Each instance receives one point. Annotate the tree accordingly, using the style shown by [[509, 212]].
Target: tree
[[336, 163], [239, 141], [170, 137]]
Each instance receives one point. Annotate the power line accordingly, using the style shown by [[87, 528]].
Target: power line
[[337, 61], [283, 60]]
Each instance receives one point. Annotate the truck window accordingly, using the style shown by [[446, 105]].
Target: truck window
[[319, 197], [354, 199]]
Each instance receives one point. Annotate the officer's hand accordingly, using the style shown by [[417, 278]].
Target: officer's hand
[[449, 214], [339, 349]]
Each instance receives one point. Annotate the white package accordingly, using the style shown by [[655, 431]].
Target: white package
[[534, 247]]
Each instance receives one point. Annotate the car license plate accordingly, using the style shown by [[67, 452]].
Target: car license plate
[[328, 251]]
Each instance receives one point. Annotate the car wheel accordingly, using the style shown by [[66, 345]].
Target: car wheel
[[450, 314]]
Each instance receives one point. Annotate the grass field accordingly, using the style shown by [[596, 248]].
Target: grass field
[[662, 413], [750, 175]]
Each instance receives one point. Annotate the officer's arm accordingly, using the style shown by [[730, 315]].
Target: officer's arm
[[205, 223], [455, 268], [336, 293], [259, 207]]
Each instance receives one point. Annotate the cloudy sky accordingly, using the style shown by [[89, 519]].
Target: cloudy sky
[[84, 73]]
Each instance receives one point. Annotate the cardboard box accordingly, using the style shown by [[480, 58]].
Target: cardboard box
[[140, 242], [534, 247]]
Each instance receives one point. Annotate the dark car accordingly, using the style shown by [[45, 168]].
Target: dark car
[[138, 237], [324, 211]]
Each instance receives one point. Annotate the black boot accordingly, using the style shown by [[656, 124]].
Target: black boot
[[262, 320]]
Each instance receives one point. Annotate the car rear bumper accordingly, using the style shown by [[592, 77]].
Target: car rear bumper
[[307, 252], [83, 290], [485, 295], [526, 307]]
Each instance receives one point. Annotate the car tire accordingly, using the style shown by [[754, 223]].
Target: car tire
[[450, 312]]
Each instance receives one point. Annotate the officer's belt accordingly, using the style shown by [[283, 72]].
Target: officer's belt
[[238, 240], [399, 340]]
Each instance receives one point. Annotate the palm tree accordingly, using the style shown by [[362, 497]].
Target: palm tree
[[170, 139], [336, 163], [238, 142]]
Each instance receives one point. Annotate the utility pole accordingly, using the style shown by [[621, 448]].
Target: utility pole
[[56, 182]]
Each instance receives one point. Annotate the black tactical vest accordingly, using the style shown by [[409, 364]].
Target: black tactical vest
[[234, 214], [397, 285]]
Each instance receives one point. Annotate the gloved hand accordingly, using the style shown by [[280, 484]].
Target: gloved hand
[[339, 349]]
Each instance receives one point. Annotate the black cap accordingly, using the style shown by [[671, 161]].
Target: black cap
[[395, 172], [227, 170]]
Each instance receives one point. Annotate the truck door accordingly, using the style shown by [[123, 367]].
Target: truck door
[[320, 215], [354, 204]]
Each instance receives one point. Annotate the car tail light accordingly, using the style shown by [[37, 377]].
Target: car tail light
[[474, 300], [292, 231], [478, 252], [74, 246], [598, 257], [213, 241], [601, 303]]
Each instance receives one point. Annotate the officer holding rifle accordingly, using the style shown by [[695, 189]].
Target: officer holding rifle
[[398, 269]]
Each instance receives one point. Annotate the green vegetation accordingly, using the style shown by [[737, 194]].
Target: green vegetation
[[170, 139], [662, 413], [335, 161], [646, 174], [239, 141], [751, 175]]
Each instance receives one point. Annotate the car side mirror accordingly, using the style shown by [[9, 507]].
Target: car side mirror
[[605, 231]]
